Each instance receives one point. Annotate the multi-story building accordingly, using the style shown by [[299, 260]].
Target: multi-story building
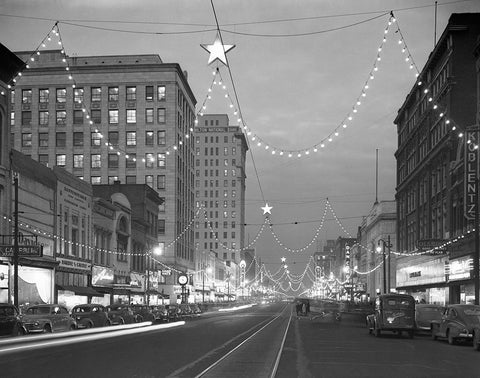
[[220, 152], [432, 175], [125, 118]]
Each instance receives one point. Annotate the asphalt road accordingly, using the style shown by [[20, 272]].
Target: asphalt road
[[246, 343]]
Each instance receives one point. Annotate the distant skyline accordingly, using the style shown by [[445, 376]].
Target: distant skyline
[[294, 90]]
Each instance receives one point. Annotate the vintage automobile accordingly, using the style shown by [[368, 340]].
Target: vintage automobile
[[457, 323], [160, 313], [425, 314], [476, 338], [186, 311], [143, 313], [392, 312], [48, 318], [90, 315], [121, 314], [174, 313], [11, 323], [196, 311]]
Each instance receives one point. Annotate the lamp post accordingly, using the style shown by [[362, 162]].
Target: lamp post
[[385, 244]]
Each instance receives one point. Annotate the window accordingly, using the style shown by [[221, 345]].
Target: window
[[96, 161], [96, 94], [161, 160], [61, 160], [78, 139], [161, 182], [43, 118], [43, 139], [61, 95], [161, 93], [131, 93], [96, 115], [161, 115], [43, 159], [225, 151], [77, 117], [234, 150], [113, 94], [161, 226], [149, 160], [61, 117], [131, 138], [161, 208], [12, 118], [78, 95], [131, 161], [149, 115], [78, 161], [112, 161], [149, 180], [112, 179], [131, 179], [149, 93], [26, 118], [43, 95], [148, 138], [27, 140], [113, 138], [26, 96], [161, 138], [131, 116], [96, 180], [61, 139], [96, 139], [113, 117]]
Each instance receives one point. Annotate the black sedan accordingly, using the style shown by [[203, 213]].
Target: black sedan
[[457, 323], [10, 321]]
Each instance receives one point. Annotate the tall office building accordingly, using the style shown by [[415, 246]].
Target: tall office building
[[435, 168], [126, 118], [220, 152]]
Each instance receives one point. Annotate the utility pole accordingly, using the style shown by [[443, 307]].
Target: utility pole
[[15, 243]]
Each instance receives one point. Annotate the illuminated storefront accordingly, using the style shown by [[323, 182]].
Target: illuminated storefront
[[459, 275]]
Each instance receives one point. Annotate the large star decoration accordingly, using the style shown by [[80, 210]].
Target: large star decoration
[[217, 51], [267, 209]]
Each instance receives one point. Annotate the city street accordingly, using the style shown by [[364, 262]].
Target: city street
[[250, 342]]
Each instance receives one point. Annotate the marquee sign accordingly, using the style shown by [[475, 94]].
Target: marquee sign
[[471, 166]]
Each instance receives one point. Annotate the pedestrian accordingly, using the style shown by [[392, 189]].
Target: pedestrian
[[298, 308], [304, 309]]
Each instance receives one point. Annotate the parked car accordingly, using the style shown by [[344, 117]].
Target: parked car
[[48, 318], [185, 311], [174, 313], [143, 313], [393, 312], [425, 314], [196, 311], [11, 323], [160, 313], [90, 315], [476, 338], [457, 323], [121, 314]]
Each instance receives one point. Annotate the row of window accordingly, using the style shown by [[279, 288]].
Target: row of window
[[213, 224], [95, 94], [212, 235], [215, 139], [215, 204], [214, 151], [112, 161], [215, 183], [95, 139], [95, 116], [212, 161], [214, 194], [216, 172]]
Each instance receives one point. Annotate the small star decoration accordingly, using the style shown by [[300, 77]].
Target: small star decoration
[[217, 51], [267, 209]]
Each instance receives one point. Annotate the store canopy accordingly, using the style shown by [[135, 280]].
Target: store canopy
[[80, 290]]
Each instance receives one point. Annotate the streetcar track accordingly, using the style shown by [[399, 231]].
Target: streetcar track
[[277, 360]]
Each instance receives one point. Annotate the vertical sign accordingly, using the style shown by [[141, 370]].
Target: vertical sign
[[471, 163]]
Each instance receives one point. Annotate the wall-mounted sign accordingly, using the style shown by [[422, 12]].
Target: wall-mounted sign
[[102, 276], [471, 165], [459, 269], [75, 264]]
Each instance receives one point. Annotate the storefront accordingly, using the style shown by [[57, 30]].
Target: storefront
[[424, 279], [459, 275], [35, 284]]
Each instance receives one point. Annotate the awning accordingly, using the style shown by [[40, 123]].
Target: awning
[[80, 290]]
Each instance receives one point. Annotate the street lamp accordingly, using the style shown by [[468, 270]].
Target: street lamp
[[385, 244]]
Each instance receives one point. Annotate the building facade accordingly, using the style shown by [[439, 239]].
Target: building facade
[[432, 205], [220, 158], [126, 118]]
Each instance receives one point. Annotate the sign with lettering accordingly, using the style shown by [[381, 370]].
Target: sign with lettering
[[471, 166], [459, 269], [436, 245], [23, 250], [102, 276], [75, 264]]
